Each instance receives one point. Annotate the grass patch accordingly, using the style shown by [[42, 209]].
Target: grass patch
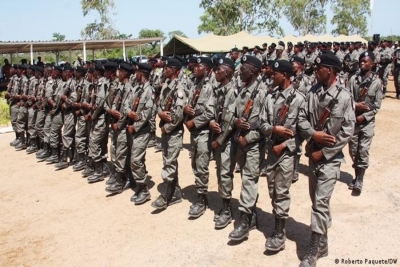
[[4, 110]]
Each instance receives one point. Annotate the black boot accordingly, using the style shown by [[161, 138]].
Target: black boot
[[106, 169], [241, 231], [15, 141], [276, 242], [63, 163], [32, 146], [80, 163], [158, 147], [89, 168], [142, 194], [198, 208], [323, 246], [40, 146], [22, 142], [359, 180], [97, 176], [162, 201], [176, 194], [54, 156], [351, 184], [73, 157], [46, 152], [112, 178], [225, 215], [118, 186], [310, 259]]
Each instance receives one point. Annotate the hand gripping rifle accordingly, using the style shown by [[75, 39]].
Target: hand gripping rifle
[[247, 110], [313, 145], [281, 118], [134, 109], [168, 102]]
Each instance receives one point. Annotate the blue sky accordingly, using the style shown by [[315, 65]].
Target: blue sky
[[39, 19]]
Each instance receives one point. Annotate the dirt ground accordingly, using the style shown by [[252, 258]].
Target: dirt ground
[[51, 218]]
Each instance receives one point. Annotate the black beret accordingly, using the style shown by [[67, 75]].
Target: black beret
[[90, 70], [178, 58], [68, 68], [192, 60], [163, 58], [264, 44], [23, 66], [235, 49], [281, 43], [126, 67], [57, 68], [15, 66], [312, 45], [299, 44], [80, 69], [152, 59], [372, 42], [329, 43], [290, 43], [173, 63], [342, 43], [328, 60], [325, 45], [31, 67], [367, 54], [227, 62], [297, 59], [251, 60], [273, 45], [245, 47], [336, 43], [283, 66], [98, 67], [110, 65], [258, 47], [39, 69], [144, 67], [205, 61], [269, 62]]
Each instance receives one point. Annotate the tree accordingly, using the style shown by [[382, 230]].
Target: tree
[[350, 16], [147, 33], [306, 16], [58, 36], [226, 17], [102, 29], [177, 32]]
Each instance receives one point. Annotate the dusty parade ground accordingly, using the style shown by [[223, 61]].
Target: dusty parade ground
[[51, 218]]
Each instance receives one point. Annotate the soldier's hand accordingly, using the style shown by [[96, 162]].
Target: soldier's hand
[[165, 116], [116, 114], [76, 105], [362, 107], [324, 139], [283, 132], [163, 130], [189, 110], [242, 141], [360, 119], [278, 149], [8, 95], [134, 116], [316, 156], [215, 127], [242, 124], [214, 145], [130, 128], [64, 98], [115, 127], [189, 124]]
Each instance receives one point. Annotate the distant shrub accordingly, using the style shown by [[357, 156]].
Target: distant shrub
[[4, 110]]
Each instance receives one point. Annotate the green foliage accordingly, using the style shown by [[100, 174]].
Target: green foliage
[[350, 16], [306, 16], [4, 110], [177, 32], [226, 17], [147, 33], [58, 36], [102, 29]]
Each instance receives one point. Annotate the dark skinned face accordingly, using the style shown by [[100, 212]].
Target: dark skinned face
[[200, 71], [221, 73], [121, 75], [138, 75], [366, 64], [296, 66], [168, 72], [278, 78], [246, 73], [234, 55], [322, 73]]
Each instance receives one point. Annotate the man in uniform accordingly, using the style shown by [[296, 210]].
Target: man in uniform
[[56, 115], [248, 144], [245, 51], [68, 134], [384, 64], [257, 52], [222, 126], [337, 51], [138, 108], [366, 88], [22, 96], [32, 111], [12, 91], [396, 73], [170, 110], [280, 126], [199, 112], [324, 147], [271, 55]]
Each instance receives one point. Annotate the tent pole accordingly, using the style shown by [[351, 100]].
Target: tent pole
[[10, 58], [123, 51], [140, 52], [162, 47], [31, 54], [92, 54], [70, 56], [84, 51]]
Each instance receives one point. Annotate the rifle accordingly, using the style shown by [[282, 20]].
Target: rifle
[[42, 103], [117, 107], [168, 102], [247, 110], [51, 101], [218, 119], [33, 99], [281, 118], [88, 102], [195, 97], [78, 111], [362, 96], [313, 145], [134, 109]]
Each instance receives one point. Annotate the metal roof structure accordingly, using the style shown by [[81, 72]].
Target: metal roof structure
[[11, 47]]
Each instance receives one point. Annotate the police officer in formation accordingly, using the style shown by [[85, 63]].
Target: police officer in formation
[[254, 111]]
